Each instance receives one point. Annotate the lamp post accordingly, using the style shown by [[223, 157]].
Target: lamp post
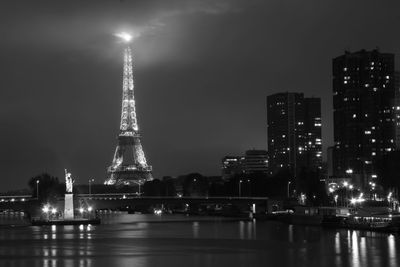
[[351, 192], [240, 188], [288, 189], [37, 189], [248, 180], [90, 186], [139, 183]]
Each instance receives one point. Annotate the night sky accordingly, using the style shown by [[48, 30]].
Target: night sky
[[202, 72]]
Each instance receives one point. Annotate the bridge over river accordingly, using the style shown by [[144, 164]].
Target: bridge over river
[[130, 200]]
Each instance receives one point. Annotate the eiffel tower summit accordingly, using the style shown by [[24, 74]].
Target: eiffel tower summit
[[129, 165]]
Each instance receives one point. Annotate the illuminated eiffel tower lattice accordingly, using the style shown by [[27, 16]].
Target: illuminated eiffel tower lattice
[[129, 165]]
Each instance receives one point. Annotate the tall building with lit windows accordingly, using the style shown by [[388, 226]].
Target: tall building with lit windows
[[364, 102], [397, 109], [312, 133], [294, 132]]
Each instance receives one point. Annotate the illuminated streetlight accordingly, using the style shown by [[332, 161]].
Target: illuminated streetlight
[[45, 209], [90, 186], [240, 188], [140, 183], [288, 187], [37, 189]]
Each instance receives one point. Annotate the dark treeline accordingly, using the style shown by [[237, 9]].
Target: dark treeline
[[253, 185], [195, 184]]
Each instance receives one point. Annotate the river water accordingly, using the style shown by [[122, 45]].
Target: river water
[[177, 240]]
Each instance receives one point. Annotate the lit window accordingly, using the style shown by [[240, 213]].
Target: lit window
[[367, 132]]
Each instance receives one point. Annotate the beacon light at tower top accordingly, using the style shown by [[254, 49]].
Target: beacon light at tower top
[[124, 36]]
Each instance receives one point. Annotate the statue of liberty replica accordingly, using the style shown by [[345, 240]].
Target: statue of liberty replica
[[69, 197]]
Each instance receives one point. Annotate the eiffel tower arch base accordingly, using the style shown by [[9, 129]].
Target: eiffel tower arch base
[[128, 177]]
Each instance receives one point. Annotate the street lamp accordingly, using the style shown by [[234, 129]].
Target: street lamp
[[37, 189], [90, 186], [288, 187], [240, 188], [248, 180], [139, 183], [351, 190]]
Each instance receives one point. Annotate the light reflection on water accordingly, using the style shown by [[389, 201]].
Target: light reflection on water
[[174, 240]]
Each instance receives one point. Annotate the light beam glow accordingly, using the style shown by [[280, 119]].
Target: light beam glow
[[124, 36]]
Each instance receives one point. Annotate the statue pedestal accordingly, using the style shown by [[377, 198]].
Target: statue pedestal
[[69, 207]]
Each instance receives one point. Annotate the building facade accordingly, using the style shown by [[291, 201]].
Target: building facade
[[294, 132], [364, 113], [255, 161], [231, 167]]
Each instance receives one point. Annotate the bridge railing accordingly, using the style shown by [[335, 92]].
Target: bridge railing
[[135, 195]]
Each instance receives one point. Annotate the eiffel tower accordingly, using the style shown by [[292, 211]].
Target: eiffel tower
[[129, 165]]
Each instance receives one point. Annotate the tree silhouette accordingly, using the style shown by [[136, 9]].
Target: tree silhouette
[[49, 188]]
